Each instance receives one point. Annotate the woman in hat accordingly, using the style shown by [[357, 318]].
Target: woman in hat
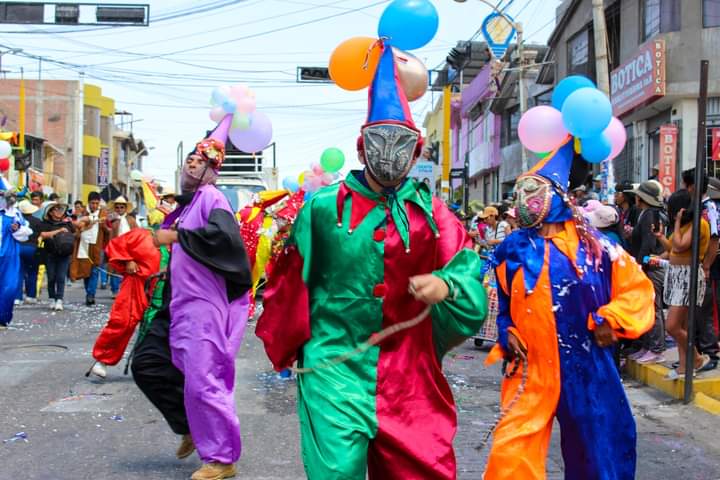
[[57, 234], [29, 255], [13, 229]]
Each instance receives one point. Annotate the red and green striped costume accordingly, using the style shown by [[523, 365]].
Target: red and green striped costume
[[344, 276]]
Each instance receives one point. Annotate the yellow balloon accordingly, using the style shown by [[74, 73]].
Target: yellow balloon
[[301, 179]]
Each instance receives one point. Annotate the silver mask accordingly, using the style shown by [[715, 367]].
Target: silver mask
[[389, 151]]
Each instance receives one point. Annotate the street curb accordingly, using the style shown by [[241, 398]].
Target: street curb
[[706, 390]]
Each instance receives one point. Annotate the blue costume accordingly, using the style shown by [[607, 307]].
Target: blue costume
[[10, 259], [553, 291]]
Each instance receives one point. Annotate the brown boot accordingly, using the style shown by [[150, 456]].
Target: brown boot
[[186, 448], [214, 471]]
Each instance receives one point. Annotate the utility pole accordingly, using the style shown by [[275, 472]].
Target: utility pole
[[601, 49], [522, 94]]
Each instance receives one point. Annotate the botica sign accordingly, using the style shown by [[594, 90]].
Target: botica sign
[[640, 80]]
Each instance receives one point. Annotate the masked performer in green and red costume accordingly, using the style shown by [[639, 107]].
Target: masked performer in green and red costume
[[364, 255]]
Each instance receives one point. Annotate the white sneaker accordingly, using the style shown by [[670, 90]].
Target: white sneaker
[[31, 300], [53, 302], [99, 370], [17, 302], [58, 305]]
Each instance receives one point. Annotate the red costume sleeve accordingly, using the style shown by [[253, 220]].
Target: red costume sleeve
[[136, 245]]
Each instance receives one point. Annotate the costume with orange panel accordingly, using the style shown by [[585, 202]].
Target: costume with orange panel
[[553, 291]]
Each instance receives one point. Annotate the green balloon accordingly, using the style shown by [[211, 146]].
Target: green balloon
[[542, 155], [332, 160], [240, 121]]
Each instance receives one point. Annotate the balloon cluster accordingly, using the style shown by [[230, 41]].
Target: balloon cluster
[[319, 174], [250, 130], [404, 25], [578, 109], [5, 152]]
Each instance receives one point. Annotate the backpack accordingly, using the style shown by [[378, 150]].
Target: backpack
[[64, 243]]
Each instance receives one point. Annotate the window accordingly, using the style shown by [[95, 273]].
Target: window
[[659, 16], [612, 18], [510, 120], [581, 54], [711, 13], [543, 99], [92, 121]]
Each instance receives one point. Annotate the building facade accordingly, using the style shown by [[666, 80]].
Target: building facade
[[654, 47]]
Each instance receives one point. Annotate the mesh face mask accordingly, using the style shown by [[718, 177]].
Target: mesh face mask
[[389, 151], [534, 196]]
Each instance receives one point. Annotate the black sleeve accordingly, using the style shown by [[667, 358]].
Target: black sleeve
[[220, 248], [648, 245]]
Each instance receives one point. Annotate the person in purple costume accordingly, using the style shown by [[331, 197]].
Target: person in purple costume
[[208, 308]]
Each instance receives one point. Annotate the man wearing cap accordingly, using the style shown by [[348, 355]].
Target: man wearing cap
[[377, 282], [495, 231], [565, 296], [13, 230], [644, 243], [185, 364], [118, 222], [89, 246]]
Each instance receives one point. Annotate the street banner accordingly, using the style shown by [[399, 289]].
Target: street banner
[[668, 157], [424, 172], [715, 144], [103, 167]]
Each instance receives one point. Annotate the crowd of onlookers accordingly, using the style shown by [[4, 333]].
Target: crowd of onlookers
[[68, 244], [656, 229]]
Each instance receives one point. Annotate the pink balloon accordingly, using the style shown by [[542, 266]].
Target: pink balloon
[[618, 136], [327, 178], [245, 104], [255, 138], [541, 129], [239, 91], [317, 169], [217, 114]]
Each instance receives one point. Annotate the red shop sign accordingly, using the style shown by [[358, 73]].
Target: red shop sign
[[668, 156]]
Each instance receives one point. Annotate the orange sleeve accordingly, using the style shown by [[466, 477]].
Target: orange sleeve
[[631, 311]]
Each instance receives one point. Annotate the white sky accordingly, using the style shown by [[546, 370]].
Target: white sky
[[256, 45]]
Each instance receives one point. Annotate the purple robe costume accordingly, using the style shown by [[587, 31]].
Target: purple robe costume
[[209, 307]]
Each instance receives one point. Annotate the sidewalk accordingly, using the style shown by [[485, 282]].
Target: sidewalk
[[706, 386]]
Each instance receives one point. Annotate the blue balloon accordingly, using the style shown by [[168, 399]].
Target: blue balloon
[[229, 106], [586, 112], [596, 149], [308, 196], [409, 24], [567, 86], [291, 184]]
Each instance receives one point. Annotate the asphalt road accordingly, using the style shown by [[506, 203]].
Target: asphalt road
[[78, 428]]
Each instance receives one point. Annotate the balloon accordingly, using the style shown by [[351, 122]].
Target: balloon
[[409, 24], [567, 86], [332, 159], [350, 65], [413, 74], [220, 94], [617, 135], [255, 138], [586, 112], [236, 92], [542, 155], [541, 129], [596, 149], [245, 104], [301, 178], [241, 121], [308, 196], [317, 169], [217, 114], [4, 164], [5, 149], [291, 184], [327, 178], [229, 105]]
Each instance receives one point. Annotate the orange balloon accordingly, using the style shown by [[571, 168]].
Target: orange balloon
[[354, 61]]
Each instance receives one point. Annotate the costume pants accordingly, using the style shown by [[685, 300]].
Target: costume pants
[[156, 376], [57, 270]]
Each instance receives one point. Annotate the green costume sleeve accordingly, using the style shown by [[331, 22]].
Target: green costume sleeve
[[461, 314]]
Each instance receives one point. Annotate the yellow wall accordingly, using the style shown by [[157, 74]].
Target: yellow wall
[[92, 96], [91, 146], [434, 123], [86, 189], [107, 107]]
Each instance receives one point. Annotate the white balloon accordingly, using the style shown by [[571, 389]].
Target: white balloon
[[5, 149]]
